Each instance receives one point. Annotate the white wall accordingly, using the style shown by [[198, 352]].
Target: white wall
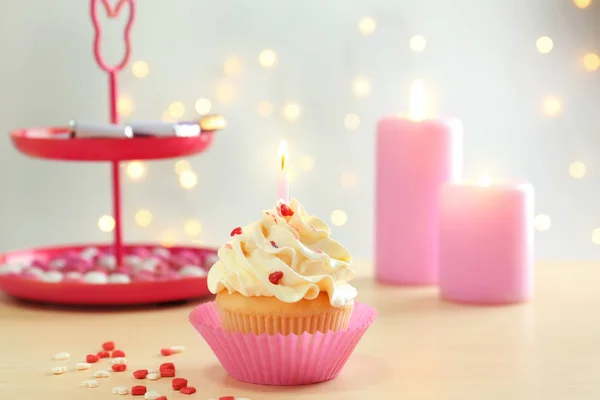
[[480, 64]]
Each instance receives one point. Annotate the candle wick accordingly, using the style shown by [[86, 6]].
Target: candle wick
[[282, 163]]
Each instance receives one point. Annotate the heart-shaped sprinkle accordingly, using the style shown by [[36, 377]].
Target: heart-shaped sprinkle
[[274, 244], [236, 231], [286, 211], [275, 277]]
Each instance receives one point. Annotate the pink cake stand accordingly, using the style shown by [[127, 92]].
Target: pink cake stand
[[53, 143]]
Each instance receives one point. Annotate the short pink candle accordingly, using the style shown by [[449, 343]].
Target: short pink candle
[[486, 242], [414, 158]]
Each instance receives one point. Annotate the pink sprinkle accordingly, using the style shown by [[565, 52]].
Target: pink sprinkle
[[319, 251], [227, 245], [313, 228]]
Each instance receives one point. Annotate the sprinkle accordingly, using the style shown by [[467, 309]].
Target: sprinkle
[[179, 383], [274, 244], [62, 356], [103, 354], [138, 390], [236, 231], [91, 383], [169, 373], [119, 360], [140, 373], [166, 366], [92, 358], [108, 346], [166, 352], [118, 353], [81, 366], [177, 349], [119, 367], [120, 390], [188, 390], [286, 211], [102, 373], [153, 376], [151, 395], [319, 251], [227, 398], [59, 370], [275, 277], [162, 398], [228, 246]]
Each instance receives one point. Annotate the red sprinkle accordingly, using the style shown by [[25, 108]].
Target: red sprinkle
[[166, 366], [91, 358], [227, 245], [275, 277], [119, 367], [140, 373], [103, 354], [138, 390], [179, 383], [108, 346], [161, 398], [274, 244], [236, 231], [168, 373], [227, 398], [286, 211], [188, 390], [118, 353], [166, 352]]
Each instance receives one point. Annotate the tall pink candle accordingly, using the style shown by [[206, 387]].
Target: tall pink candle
[[486, 242], [414, 158]]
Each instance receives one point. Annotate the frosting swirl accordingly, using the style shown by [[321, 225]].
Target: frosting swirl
[[297, 245]]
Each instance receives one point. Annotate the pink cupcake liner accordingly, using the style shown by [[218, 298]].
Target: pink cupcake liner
[[277, 359]]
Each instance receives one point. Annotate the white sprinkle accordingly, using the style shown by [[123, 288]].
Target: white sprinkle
[[152, 371], [119, 278], [62, 356], [58, 263], [9, 269], [59, 370], [148, 264], [88, 253], [178, 349], [92, 383], [192, 270], [81, 366], [151, 395], [73, 275], [118, 360], [52, 276], [153, 376], [95, 277], [161, 252], [35, 271], [109, 261], [102, 373], [132, 260], [120, 390]]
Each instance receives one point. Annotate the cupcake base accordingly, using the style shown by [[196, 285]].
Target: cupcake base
[[281, 359], [269, 315]]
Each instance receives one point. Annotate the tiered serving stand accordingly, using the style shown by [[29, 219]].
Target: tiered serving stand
[[54, 143]]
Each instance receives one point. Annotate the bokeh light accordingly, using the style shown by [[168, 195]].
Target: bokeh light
[[291, 111], [176, 109], [140, 69], [267, 58], [188, 179], [577, 169], [582, 3], [203, 106], [351, 121], [125, 106], [596, 236], [136, 170], [361, 86], [591, 62], [143, 218], [339, 217], [192, 227], [542, 222], [552, 106], [168, 239], [232, 67], [544, 44], [417, 43], [367, 26], [265, 108], [106, 223]]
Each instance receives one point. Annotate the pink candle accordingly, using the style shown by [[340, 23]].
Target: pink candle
[[486, 242], [415, 156]]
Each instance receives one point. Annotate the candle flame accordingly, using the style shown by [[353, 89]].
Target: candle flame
[[417, 101], [283, 153], [484, 180], [212, 122]]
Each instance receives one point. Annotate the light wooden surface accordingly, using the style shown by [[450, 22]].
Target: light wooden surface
[[419, 348]]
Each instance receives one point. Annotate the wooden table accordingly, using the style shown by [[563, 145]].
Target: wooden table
[[419, 348]]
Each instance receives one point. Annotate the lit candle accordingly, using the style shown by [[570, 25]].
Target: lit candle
[[486, 242], [283, 177], [415, 156]]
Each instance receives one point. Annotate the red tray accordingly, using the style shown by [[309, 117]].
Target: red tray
[[70, 293], [53, 143]]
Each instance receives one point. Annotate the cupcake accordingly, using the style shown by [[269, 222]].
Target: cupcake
[[283, 274]]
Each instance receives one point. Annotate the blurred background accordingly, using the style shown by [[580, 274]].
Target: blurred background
[[522, 76]]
